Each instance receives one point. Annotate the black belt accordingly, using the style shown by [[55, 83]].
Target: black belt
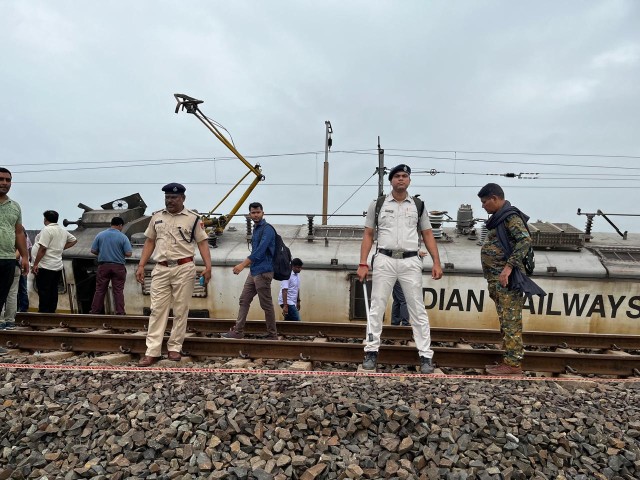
[[397, 253]]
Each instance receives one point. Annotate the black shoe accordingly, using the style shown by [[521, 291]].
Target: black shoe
[[10, 326], [370, 360], [425, 365]]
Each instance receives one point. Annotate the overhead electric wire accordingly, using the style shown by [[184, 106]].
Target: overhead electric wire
[[540, 154], [351, 196], [162, 161], [479, 160], [223, 158], [172, 162], [538, 176], [333, 185]]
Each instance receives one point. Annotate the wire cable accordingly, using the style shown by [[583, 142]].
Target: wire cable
[[333, 185], [517, 162], [351, 196], [219, 125], [542, 154]]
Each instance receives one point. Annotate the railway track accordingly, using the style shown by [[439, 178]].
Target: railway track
[[616, 354]]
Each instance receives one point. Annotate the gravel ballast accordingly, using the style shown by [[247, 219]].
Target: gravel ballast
[[173, 425]]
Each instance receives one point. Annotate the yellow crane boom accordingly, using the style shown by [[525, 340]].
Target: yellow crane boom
[[191, 105]]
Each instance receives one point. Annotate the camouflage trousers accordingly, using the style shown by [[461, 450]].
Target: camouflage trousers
[[509, 306]]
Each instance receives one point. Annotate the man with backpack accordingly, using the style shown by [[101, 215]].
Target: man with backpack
[[258, 282], [399, 219], [507, 244]]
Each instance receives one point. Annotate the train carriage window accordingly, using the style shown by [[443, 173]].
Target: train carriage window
[[356, 304], [199, 291]]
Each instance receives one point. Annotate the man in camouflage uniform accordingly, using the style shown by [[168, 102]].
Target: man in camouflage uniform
[[498, 267]]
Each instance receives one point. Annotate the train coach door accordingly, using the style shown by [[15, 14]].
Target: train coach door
[[84, 272]]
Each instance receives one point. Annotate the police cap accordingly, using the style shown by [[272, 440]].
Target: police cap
[[174, 188], [399, 168]]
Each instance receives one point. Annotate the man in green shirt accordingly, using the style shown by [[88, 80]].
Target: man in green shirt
[[12, 237]]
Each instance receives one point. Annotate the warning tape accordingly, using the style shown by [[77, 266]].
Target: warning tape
[[111, 368]]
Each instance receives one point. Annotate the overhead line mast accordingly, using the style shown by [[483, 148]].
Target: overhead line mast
[[190, 105]]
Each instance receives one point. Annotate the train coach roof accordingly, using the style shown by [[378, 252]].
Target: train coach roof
[[338, 247]]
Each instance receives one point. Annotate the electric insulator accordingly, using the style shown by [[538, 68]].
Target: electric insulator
[[587, 228]]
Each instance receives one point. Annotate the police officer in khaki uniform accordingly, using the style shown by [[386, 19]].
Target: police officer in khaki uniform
[[172, 235]]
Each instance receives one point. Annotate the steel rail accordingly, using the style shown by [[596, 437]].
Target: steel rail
[[206, 326], [600, 364]]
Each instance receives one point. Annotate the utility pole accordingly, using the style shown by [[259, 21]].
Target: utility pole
[[325, 184], [380, 168]]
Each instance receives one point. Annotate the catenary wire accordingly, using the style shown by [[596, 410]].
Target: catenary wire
[[345, 185], [373, 152], [351, 196]]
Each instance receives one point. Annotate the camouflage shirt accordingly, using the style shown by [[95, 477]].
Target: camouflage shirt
[[492, 254]]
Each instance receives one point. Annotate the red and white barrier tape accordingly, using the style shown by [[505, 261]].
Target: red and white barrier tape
[[109, 368]]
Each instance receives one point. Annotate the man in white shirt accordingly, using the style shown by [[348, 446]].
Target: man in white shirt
[[397, 258], [290, 291], [47, 265]]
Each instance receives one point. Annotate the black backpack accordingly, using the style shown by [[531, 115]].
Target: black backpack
[[529, 260], [281, 258]]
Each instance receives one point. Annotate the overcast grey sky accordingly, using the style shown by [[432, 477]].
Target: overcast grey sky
[[88, 110]]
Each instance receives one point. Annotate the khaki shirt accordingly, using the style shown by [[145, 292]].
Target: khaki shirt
[[398, 223], [172, 233]]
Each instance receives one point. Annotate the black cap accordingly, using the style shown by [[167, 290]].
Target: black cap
[[399, 168], [174, 188]]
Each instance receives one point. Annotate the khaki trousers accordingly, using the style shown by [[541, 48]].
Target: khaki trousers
[[169, 285]]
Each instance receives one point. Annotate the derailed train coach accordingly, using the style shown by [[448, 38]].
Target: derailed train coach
[[591, 280]]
